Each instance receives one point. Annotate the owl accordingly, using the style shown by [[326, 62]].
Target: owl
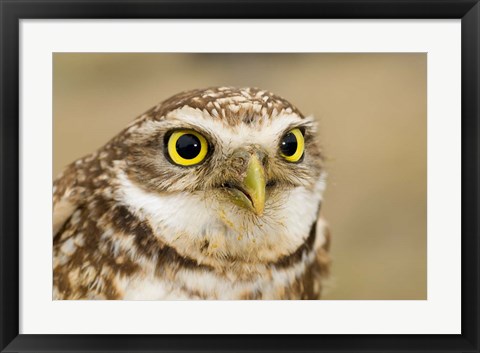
[[211, 194]]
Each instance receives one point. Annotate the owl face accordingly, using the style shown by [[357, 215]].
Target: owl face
[[248, 161], [239, 169]]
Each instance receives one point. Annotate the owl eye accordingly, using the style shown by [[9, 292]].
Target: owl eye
[[187, 147], [292, 145]]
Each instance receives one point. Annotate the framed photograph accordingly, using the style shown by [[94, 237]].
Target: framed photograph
[[239, 176]]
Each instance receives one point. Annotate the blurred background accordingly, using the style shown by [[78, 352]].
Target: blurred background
[[372, 113]]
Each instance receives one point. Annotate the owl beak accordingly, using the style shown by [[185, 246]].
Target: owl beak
[[251, 193]]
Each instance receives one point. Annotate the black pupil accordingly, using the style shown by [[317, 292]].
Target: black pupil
[[188, 146], [289, 145]]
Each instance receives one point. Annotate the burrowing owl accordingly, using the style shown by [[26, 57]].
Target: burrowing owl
[[211, 194]]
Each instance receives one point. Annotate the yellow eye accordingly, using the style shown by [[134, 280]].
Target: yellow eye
[[292, 145], [187, 147]]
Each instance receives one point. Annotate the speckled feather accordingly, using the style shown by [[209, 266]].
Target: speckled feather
[[119, 235]]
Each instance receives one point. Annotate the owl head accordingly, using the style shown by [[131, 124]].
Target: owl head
[[241, 156]]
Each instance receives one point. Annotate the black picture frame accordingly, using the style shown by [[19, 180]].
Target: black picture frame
[[13, 10]]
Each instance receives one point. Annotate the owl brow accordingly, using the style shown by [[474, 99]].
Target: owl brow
[[304, 125], [185, 126]]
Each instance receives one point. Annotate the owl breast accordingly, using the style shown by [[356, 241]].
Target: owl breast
[[297, 276]]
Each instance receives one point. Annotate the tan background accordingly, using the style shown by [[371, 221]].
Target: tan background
[[372, 113]]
